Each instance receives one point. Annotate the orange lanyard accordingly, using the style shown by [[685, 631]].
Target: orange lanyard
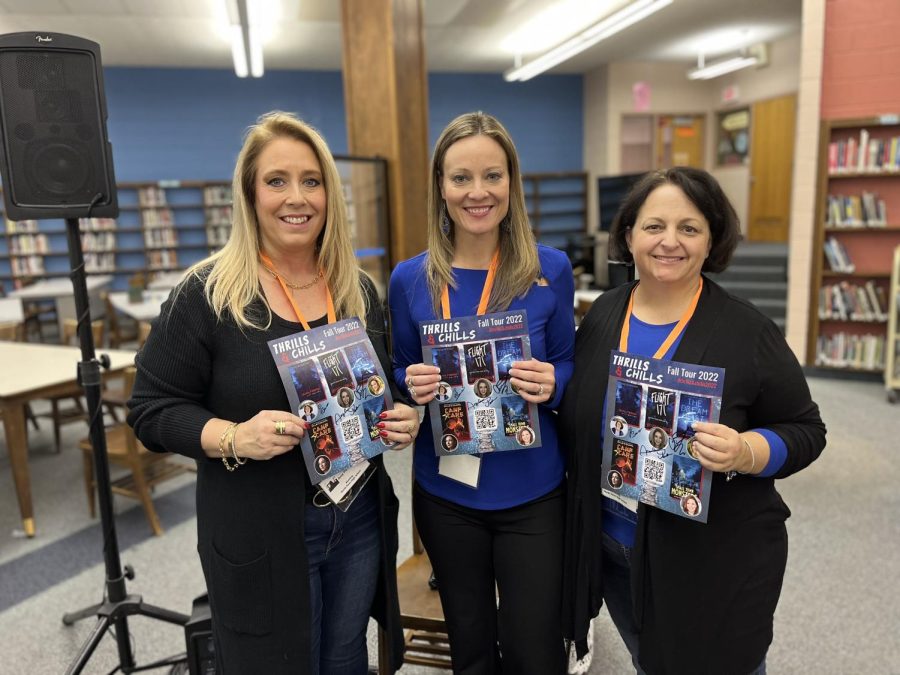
[[673, 335], [485, 292], [332, 317]]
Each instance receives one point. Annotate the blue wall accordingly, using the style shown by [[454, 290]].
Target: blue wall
[[187, 123]]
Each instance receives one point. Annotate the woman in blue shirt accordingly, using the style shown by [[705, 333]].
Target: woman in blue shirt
[[496, 525]]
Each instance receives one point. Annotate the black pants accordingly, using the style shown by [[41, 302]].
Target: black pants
[[516, 552]]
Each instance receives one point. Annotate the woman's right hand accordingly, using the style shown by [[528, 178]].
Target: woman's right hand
[[422, 380], [259, 438]]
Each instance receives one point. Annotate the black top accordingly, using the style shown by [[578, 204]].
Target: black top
[[250, 521], [704, 595]]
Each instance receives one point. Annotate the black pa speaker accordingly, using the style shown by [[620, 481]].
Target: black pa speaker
[[56, 161], [201, 656]]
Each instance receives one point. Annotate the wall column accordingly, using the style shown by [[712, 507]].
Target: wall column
[[386, 103]]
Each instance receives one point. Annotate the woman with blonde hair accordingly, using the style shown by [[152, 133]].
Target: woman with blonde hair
[[501, 508], [292, 579]]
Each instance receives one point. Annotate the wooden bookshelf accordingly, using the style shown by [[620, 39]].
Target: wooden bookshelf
[[857, 216], [557, 206]]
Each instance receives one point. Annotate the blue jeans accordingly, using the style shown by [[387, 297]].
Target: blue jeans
[[344, 552], [617, 597]]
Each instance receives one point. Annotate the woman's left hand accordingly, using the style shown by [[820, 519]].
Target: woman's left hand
[[720, 448], [400, 425], [533, 380]]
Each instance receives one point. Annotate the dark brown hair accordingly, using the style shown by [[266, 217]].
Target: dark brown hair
[[704, 192]]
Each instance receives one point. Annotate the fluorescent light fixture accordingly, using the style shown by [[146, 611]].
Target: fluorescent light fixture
[[590, 36], [722, 67], [246, 42]]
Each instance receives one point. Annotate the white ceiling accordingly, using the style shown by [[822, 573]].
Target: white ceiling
[[460, 35]]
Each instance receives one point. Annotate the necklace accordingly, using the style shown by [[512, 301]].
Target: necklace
[[296, 287]]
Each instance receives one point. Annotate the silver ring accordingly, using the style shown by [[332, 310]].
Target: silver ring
[[409, 382], [412, 390], [540, 390]]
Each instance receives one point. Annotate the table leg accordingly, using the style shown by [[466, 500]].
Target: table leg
[[17, 442]]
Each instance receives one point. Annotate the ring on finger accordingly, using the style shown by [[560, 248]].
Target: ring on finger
[[412, 390], [409, 382], [540, 390], [280, 427]]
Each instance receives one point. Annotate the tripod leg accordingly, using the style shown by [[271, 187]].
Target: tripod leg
[[162, 614], [89, 646], [72, 617]]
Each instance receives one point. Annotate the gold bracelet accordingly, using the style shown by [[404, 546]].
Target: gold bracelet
[[752, 457], [222, 440], [240, 460]]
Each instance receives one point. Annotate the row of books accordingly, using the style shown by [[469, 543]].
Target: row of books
[[862, 352], [866, 155], [21, 226], [218, 215], [837, 256], [847, 301], [152, 196], [162, 259], [96, 224], [100, 262], [27, 267], [159, 218], [36, 243], [102, 240], [160, 237], [865, 210], [217, 195], [217, 235]]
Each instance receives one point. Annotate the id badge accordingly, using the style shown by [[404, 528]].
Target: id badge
[[465, 469], [343, 488]]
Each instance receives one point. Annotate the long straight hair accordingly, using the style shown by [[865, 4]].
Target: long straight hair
[[519, 266], [231, 279]]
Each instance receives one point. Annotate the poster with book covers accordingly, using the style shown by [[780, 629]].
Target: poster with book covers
[[476, 409], [647, 448], [335, 382]]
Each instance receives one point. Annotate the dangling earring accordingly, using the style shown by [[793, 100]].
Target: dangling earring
[[445, 221]]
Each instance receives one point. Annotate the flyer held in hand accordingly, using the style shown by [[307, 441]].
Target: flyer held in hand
[[647, 444], [335, 382], [476, 410]]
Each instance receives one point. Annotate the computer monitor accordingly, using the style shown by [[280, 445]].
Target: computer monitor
[[611, 190]]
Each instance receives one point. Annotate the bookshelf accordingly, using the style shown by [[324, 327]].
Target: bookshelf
[[557, 206], [892, 369], [857, 230]]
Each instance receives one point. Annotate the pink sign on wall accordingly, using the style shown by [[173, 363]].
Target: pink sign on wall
[[640, 96]]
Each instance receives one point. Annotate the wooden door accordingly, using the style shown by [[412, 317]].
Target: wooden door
[[771, 168]]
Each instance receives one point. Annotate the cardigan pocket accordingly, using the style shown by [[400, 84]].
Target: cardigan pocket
[[243, 594]]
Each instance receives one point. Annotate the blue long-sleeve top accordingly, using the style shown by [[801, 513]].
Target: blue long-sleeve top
[[513, 477]]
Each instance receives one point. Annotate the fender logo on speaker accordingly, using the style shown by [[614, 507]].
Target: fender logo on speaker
[[41, 38]]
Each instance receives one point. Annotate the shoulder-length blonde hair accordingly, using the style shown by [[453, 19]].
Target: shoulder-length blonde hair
[[231, 279], [519, 265]]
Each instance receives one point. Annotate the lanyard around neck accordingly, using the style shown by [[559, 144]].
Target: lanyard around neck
[[332, 317], [485, 292], [675, 332]]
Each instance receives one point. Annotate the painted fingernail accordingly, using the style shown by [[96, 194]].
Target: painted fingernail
[[383, 433], [307, 426], [381, 425], [383, 415]]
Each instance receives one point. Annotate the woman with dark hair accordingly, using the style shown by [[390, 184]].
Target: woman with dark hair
[[675, 225]]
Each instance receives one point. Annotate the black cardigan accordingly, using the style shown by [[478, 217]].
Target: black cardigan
[[249, 521], [704, 595]]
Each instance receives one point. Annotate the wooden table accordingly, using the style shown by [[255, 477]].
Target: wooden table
[[62, 292], [166, 280], [145, 310], [34, 371]]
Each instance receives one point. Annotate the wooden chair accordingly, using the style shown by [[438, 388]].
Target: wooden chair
[[120, 328], [76, 412], [421, 614], [146, 469]]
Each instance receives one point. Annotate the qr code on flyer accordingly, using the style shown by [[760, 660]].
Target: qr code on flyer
[[485, 420], [352, 429], [654, 471]]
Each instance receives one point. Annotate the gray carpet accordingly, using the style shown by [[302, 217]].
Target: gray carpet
[[839, 612]]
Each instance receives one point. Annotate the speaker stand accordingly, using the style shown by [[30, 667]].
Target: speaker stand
[[118, 606]]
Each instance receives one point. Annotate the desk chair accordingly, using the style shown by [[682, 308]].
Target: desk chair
[[76, 412], [146, 469], [421, 614], [121, 328]]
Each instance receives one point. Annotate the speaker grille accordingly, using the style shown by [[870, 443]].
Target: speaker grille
[[51, 106]]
